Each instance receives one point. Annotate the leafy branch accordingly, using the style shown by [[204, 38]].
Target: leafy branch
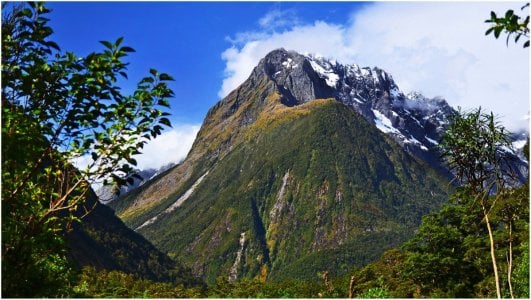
[[511, 24]]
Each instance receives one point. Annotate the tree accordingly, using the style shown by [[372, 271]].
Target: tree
[[58, 108], [473, 148], [511, 25]]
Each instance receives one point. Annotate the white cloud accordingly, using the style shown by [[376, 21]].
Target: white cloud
[[319, 38], [277, 18], [170, 146], [437, 48]]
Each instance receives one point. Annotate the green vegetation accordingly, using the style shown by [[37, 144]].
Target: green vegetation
[[473, 148], [321, 190], [470, 247], [104, 242], [305, 194], [57, 108], [510, 24], [115, 284], [449, 255]]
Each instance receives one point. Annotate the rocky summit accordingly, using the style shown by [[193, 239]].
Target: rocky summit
[[308, 166]]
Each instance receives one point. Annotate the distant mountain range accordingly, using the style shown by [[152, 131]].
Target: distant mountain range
[[308, 166], [109, 193]]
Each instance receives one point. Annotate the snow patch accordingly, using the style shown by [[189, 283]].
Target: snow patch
[[413, 140], [394, 92], [365, 71], [431, 140], [329, 76], [383, 123], [519, 144], [287, 63]]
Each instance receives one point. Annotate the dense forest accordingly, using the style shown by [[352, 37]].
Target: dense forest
[[57, 107]]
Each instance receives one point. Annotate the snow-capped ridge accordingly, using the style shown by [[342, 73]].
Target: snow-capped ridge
[[414, 121]]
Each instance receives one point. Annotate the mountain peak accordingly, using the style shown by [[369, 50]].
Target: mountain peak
[[278, 180], [412, 120]]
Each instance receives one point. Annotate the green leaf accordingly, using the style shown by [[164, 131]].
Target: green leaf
[[154, 72], [127, 49], [166, 77], [165, 121], [509, 14], [147, 80], [164, 102], [107, 44], [53, 45], [497, 31]]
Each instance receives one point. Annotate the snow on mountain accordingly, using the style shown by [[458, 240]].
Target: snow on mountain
[[412, 120], [383, 123]]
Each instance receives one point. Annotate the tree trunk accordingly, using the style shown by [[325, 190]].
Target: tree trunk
[[510, 260], [351, 287], [492, 254]]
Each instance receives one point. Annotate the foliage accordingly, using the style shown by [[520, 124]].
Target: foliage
[[521, 273], [448, 257], [373, 293], [474, 148], [254, 288], [510, 24], [436, 256], [104, 242], [350, 194], [115, 284], [58, 108]]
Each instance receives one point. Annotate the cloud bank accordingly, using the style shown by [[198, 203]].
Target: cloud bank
[[170, 147], [439, 49]]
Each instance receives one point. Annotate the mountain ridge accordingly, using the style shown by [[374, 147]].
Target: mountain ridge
[[240, 109], [306, 158]]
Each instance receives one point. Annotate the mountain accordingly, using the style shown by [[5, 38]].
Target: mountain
[[108, 193], [103, 241], [308, 166]]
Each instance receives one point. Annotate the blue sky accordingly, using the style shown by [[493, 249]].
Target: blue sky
[[185, 40], [210, 48]]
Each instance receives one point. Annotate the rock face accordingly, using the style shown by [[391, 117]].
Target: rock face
[[414, 121], [308, 166]]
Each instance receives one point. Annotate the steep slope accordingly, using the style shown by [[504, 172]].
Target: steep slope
[[103, 241], [280, 184], [310, 187], [415, 122]]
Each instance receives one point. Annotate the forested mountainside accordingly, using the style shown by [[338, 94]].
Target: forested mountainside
[[280, 184], [103, 241]]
